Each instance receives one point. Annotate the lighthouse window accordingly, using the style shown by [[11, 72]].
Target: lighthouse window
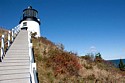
[[25, 24]]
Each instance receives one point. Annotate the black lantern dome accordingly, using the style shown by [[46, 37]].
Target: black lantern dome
[[30, 14]]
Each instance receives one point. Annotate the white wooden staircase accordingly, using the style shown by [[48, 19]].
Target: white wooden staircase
[[15, 67]]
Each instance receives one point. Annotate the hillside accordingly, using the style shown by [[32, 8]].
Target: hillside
[[55, 65], [3, 31]]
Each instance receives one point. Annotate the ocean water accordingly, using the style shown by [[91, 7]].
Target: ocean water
[[116, 62]]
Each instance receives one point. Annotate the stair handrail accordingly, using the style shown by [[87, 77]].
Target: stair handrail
[[33, 71], [10, 35]]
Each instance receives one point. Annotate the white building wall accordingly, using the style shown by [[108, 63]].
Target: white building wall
[[33, 26]]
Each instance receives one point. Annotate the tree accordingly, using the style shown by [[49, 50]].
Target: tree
[[98, 57], [121, 65]]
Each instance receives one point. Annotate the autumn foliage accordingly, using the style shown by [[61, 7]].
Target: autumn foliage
[[63, 63]]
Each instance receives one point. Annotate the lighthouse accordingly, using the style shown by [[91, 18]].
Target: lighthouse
[[30, 21]]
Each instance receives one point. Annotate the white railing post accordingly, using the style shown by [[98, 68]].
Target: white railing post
[[15, 31], [30, 52], [32, 64], [12, 35], [8, 38], [2, 47], [29, 37], [18, 29], [34, 77], [30, 55], [30, 46]]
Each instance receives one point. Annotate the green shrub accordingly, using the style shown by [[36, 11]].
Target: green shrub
[[121, 65], [98, 57]]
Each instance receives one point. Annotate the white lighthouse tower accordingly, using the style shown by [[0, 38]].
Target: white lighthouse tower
[[30, 21]]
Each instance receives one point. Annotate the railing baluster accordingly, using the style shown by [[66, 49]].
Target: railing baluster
[[15, 31], [12, 35], [18, 28], [8, 39], [2, 47], [34, 73]]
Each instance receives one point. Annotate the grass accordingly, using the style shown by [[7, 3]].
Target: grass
[[63, 62], [55, 65]]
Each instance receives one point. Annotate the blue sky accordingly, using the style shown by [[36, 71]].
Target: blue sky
[[80, 25]]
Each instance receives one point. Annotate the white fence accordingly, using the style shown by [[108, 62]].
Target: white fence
[[33, 70], [10, 38]]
